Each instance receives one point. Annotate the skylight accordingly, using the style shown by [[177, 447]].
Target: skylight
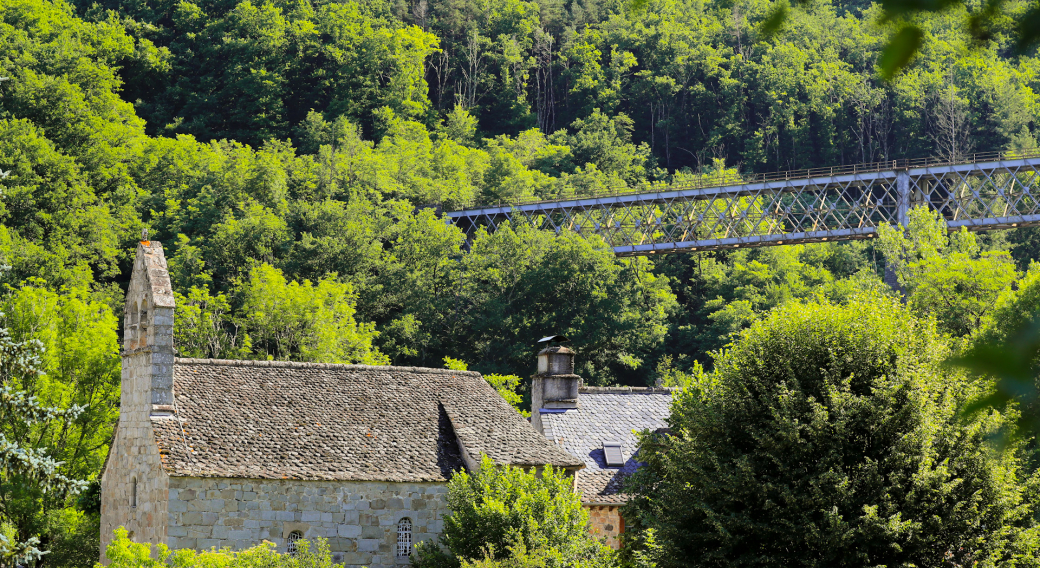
[[612, 452]]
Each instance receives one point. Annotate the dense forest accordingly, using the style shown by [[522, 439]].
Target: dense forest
[[294, 156]]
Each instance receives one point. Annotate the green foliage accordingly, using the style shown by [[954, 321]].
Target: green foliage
[[511, 517], [28, 474], [946, 276], [724, 293], [304, 321], [1007, 350], [834, 438], [505, 385], [125, 553]]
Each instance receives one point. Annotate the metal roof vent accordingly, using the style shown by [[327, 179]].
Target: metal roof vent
[[613, 455]]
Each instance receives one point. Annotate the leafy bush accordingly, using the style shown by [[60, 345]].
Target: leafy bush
[[510, 517], [124, 553], [833, 438]]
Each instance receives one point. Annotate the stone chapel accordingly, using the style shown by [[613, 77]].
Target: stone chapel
[[213, 453]]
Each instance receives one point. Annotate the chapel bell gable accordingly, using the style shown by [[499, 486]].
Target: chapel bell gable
[[148, 323]]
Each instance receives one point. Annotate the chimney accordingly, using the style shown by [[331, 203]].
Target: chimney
[[554, 388], [148, 335]]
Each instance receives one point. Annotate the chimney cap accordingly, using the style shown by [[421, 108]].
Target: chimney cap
[[556, 349], [553, 338]]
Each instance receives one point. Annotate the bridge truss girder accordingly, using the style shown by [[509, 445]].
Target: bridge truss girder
[[979, 196]]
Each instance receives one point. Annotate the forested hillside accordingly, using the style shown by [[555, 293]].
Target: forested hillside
[[293, 158]]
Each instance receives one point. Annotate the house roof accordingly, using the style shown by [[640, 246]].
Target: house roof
[[607, 414], [275, 420]]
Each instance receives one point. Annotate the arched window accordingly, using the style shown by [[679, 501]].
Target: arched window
[[404, 537], [133, 493], [290, 543]]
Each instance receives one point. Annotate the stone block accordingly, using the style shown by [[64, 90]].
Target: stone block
[[183, 542], [191, 518], [208, 543], [176, 531], [220, 532], [372, 532], [177, 506], [285, 516], [356, 559], [310, 517], [368, 545], [349, 531], [395, 504], [240, 534], [209, 518]]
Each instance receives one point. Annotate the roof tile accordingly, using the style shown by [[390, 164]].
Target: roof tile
[[283, 420]]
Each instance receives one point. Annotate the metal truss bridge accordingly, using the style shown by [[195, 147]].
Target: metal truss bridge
[[980, 192]]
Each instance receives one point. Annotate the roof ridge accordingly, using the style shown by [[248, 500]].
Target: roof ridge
[[627, 390], [328, 366]]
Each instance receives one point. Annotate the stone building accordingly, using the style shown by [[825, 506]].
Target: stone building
[[214, 453], [598, 426]]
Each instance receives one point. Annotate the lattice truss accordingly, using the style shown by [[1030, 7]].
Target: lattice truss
[[978, 196], [986, 196]]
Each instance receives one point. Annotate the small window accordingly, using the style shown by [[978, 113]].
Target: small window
[[404, 538], [290, 543], [133, 493], [612, 454]]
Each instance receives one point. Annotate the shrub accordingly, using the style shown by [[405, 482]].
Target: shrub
[[124, 553], [508, 516]]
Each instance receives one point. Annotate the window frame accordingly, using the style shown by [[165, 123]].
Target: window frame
[[405, 539]]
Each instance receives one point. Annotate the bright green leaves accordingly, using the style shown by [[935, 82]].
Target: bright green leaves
[[946, 276], [277, 319], [122, 552], [507, 386], [311, 322], [1007, 350], [59, 370], [499, 511]]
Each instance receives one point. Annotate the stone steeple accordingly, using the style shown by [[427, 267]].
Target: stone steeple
[[148, 334]]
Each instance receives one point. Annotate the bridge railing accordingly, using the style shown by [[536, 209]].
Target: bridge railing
[[730, 179]]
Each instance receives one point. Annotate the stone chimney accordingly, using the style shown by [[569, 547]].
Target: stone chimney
[[554, 388], [148, 335]]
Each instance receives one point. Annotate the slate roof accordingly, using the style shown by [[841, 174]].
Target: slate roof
[[607, 414], [282, 420]]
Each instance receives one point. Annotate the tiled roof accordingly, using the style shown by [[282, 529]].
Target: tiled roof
[[607, 414], [274, 420]]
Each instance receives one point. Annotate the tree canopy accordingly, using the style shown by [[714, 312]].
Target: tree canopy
[[832, 437]]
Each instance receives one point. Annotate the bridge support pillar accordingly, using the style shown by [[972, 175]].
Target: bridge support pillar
[[903, 197]]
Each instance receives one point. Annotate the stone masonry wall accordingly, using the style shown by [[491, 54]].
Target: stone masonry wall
[[359, 518], [146, 392], [134, 454], [605, 522]]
